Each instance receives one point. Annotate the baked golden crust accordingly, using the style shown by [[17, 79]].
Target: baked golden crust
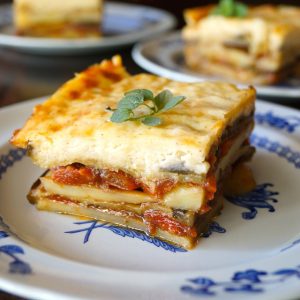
[[262, 46], [74, 125], [85, 85]]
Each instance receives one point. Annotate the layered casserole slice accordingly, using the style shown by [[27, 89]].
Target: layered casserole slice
[[58, 19], [165, 180], [261, 47]]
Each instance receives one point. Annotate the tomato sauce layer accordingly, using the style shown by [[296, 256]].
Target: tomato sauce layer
[[155, 219], [78, 174]]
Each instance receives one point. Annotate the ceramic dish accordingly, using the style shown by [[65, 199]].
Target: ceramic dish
[[250, 252], [123, 24], [164, 56]]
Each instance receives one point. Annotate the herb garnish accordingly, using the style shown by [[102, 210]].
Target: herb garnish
[[142, 105], [230, 8]]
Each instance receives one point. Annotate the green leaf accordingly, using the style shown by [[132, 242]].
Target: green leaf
[[162, 99], [230, 8], [172, 102], [121, 115], [151, 121], [125, 111], [147, 94], [131, 101], [241, 10], [227, 7]]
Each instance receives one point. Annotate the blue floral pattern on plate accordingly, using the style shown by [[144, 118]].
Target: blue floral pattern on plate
[[16, 265], [213, 227], [289, 123], [7, 160], [124, 232], [256, 199], [293, 157], [250, 281]]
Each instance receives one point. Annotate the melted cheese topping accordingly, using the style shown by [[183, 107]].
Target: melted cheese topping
[[74, 125]]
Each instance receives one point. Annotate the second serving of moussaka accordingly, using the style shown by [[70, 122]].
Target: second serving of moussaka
[[260, 47], [58, 19]]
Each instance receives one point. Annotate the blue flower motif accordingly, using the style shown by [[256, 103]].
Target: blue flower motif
[[9, 159], [11, 249], [197, 291], [289, 123], [288, 273], [249, 275], [124, 232], [203, 287], [256, 199], [247, 282], [213, 227], [245, 288], [16, 265], [203, 281], [286, 152], [19, 267], [3, 234]]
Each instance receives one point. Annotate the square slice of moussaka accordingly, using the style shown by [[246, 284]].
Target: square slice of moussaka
[[58, 19], [260, 47], [165, 180]]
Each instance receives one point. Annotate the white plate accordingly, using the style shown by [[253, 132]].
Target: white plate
[[123, 24], [252, 252], [164, 56]]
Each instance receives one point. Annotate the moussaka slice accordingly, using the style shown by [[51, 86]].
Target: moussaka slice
[[259, 47], [161, 173], [58, 19]]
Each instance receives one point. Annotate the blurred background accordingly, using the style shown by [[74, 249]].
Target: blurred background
[[177, 6], [26, 76]]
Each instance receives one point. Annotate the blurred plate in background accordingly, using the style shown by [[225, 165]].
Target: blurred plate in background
[[164, 56], [123, 24]]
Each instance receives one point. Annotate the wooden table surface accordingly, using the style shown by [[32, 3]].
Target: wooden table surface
[[25, 76]]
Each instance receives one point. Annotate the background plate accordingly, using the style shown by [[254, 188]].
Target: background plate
[[123, 24], [252, 252], [164, 56]]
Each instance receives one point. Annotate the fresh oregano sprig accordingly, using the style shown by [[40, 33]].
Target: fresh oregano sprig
[[128, 108], [230, 8]]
